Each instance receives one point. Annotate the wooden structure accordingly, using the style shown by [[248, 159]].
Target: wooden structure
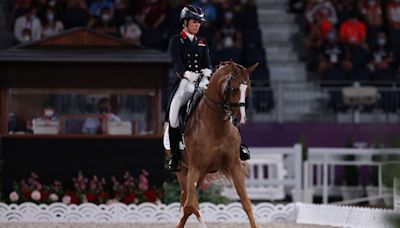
[[79, 62]]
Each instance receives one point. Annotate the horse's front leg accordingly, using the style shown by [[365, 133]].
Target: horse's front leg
[[238, 177]]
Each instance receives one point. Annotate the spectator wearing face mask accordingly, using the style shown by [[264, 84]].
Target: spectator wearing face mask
[[382, 59], [331, 58], [106, 23], [52, 26], [28, 22], [130, 31], [228, 36], [96, 125]]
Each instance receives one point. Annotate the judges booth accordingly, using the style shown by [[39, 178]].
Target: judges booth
[[72, 74]]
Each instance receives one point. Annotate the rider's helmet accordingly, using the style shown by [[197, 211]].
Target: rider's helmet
[[192, 12]]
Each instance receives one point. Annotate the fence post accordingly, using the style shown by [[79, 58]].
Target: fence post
[[297, 171]]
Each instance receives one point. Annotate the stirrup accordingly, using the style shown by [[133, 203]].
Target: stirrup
[[173, 167]]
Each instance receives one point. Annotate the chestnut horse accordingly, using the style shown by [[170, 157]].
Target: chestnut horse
[[212, 142]]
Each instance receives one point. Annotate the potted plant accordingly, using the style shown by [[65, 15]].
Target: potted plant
[[352, 189]]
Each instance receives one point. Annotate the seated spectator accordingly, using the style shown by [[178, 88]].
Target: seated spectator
[[52, 26], [130, 31], [332, 55], [47, 118], [76, 14], [353, 31], [105, 24], [150, 13], [96, 125], [344, 9], [393, 19], [96, 7], [382, 59], [228, 36], [26, 25], [325, 6], [372, 13]]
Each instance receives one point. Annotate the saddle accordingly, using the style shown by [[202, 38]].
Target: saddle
[[187, 110]]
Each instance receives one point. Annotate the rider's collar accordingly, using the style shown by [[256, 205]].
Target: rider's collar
[[185, 35]]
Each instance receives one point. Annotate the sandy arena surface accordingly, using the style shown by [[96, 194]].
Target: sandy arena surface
[[193, 225]]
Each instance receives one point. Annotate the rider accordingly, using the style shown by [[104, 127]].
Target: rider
[[191, 61]]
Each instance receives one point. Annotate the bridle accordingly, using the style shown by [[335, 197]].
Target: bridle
[[226, 104]]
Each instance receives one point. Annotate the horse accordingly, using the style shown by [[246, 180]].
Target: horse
[[212, 142]]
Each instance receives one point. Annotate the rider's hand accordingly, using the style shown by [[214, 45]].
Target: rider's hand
[[191, 76], [206, 72], [203, 83]]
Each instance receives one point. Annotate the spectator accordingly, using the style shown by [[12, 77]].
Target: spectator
[[26, 25], [393, 18], [75, 14], [95, 8], [106, 24], [130, 31], [332, 57], [150, 13], [324, 6], [51, 25], [372, 12], [344, 9], [382, 59], [353, 31], [228, 35], [96, 125]]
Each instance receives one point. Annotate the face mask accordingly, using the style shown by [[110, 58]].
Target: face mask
[[49, 113], [52, 3], [104, 109], [381, 41], [228, 42], [27, 38], [50, 17], [331, 36], [105, 17]]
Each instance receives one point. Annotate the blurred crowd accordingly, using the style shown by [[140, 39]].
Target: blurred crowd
[[353, 40]]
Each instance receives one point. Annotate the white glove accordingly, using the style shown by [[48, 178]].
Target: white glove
[[206, 72], [203, 83], [191, 76]]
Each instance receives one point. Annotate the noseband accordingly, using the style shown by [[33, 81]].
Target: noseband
[[226, 104]]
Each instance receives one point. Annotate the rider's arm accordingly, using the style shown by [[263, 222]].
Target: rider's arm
[[174, 53]]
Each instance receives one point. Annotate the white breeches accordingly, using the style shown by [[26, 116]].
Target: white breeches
[[181, 97]]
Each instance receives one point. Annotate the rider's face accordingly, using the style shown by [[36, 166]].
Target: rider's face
[[193, 26]]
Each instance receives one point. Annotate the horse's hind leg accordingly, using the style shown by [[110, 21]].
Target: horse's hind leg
[[238, 177]]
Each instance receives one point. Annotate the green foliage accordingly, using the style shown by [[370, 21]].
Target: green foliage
[[206, 193]]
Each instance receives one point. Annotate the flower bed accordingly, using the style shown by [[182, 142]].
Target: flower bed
[[94, 190]]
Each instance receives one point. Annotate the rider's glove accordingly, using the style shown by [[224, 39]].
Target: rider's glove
[[206, 72], [191, 76], [203, 83]]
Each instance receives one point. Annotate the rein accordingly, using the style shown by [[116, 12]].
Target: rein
[[226, 104]]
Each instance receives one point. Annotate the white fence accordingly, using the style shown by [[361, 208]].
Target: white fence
[[164, 214], [319, 171], [270, 170]]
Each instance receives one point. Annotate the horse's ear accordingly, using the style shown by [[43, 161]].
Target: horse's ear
[[252, 68]]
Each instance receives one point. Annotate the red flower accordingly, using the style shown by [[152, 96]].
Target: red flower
[[44, 194], [74, 198], [150, 195], [129, 198], [91, 197]]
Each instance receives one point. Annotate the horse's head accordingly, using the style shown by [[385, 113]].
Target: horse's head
[[234, 86]]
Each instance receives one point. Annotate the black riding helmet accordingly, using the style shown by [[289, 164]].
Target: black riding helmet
[[192, 12]]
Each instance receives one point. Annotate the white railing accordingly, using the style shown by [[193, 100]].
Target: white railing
[[320, 167], [270, 170], [264, 213]]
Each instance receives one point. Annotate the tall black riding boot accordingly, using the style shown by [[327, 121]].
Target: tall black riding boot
[[174, 137], [244, 152]]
